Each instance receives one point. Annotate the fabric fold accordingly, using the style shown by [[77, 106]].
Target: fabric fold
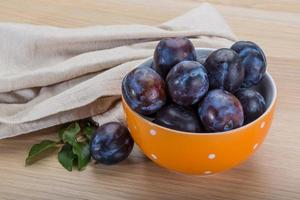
[[51, 75]]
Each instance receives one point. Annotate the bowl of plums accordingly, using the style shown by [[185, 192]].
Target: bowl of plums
[[199, 111]]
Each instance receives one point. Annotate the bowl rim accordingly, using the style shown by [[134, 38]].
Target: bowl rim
[[169, 130]]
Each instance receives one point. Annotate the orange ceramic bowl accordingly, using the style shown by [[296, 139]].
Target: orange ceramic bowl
[[201, 153]]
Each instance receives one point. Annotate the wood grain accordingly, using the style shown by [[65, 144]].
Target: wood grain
[[272, 173]]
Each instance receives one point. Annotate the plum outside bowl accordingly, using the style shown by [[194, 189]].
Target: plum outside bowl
[[201, 153]]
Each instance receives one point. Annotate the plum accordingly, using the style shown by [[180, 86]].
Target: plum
[[111, 143], [144, 90], [253, 60], [187, 82], [171, 51], [178, 118], [220, 111], [224, 70], [253, 103]]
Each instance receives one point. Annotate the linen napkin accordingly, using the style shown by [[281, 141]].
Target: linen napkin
[[51, 75]]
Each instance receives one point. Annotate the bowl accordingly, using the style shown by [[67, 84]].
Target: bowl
[[201, 153]]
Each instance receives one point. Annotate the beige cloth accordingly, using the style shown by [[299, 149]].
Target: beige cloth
[[51, 75]]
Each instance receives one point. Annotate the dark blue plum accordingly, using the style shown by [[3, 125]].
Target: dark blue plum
[[144, 90], [220, 111], [178, 118], [187, 83], [111, 143], [253, 103], [253, 60], [171, 51], [224, 70]]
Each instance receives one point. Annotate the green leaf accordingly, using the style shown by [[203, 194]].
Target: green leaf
[[38, 149], [82, 150], [66, 157], [70, 133], [88, 131], [62, 129]]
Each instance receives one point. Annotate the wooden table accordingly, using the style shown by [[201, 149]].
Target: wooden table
[[272, 173]]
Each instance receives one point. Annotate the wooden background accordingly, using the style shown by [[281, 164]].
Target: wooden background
[[272, 173]]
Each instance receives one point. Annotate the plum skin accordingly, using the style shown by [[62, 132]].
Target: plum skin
[[171, 51], [187, 82], [111, 143], [220, 111], [253, 104], [144, 90], [224, 70], [253, 60], [178, 118]]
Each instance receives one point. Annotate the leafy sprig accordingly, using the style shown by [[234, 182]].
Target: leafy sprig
[[72, 145]]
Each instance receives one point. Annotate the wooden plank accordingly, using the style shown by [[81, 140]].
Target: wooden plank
[[272, 173]]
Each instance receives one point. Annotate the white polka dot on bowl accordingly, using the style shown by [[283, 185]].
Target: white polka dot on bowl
[[255, 146], [152, 132], [211, 156], [208, 172], [154, 156], [262, 125]]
